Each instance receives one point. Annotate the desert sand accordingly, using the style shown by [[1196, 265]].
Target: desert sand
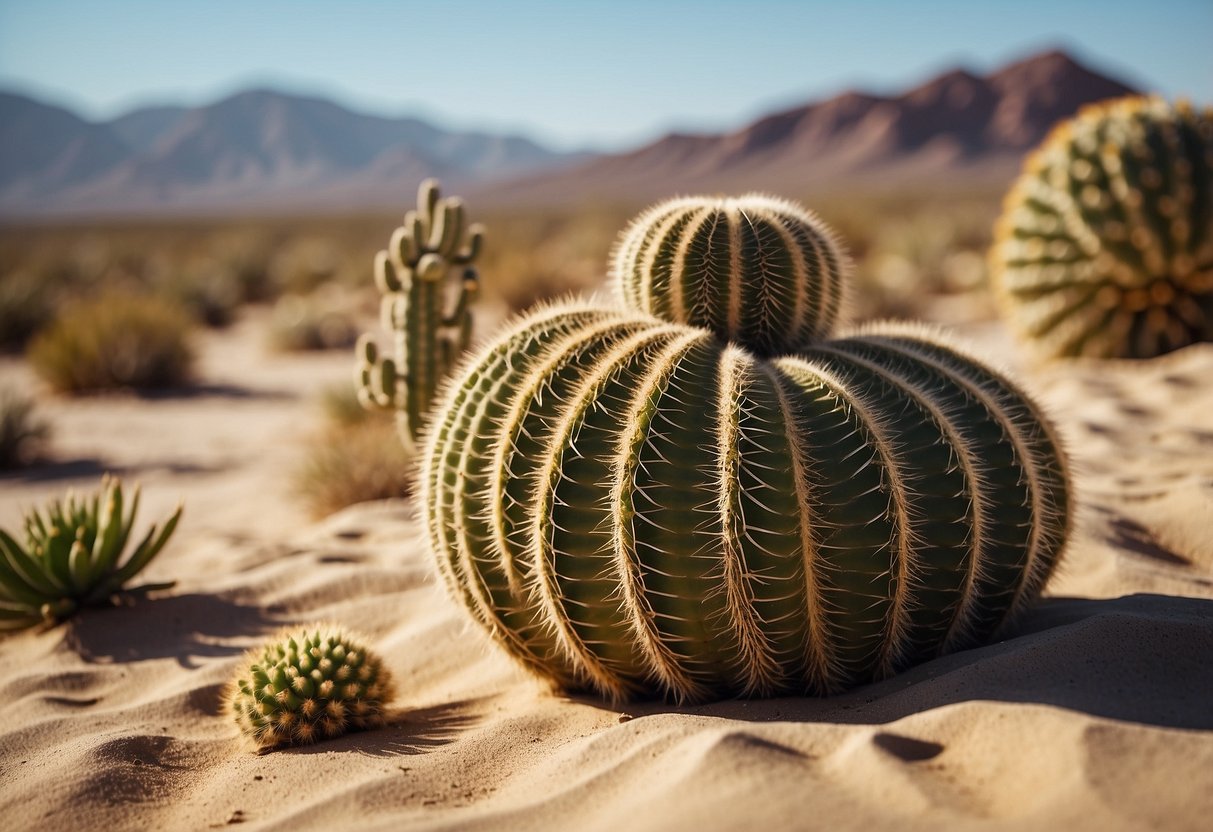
[[1095, 712]]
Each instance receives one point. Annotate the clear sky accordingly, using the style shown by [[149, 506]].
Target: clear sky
[[603, 74]]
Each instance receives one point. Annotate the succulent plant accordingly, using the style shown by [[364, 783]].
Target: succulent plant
[[413, 275], [1105, 247], [640, 507], [756, 269], [310, 684], [72, 556]]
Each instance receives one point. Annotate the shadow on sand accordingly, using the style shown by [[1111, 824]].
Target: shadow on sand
[[415, 731], [1139, 658], [181, 627], [93, 468]]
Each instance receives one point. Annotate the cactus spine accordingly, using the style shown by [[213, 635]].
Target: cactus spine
[[639, 507], [73, 556], [309, 685], [1105, 247], [413, 275], [756, 269]]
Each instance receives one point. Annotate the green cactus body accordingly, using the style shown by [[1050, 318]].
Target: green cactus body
[[1105, 247], [755, 269], [309, 685], [73, 556], [638, 508], [697, 494], [413, 276]]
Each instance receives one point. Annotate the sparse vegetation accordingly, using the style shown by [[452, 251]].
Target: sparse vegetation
[[114, 342], [357, 457], [72, 556], [22, 433]]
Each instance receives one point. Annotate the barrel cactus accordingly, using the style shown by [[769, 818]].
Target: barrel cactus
[[306, 685], [412, 274], [73, 556], [641, 507], [755, 269], [1105, 247]]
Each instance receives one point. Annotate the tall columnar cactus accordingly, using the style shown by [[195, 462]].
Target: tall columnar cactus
[[1105, 247], [73, 556], [756, 269], [641, 508], [413, 275], [313, 684]]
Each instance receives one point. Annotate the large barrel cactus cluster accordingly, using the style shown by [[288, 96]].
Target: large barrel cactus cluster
[[1105, 248], [696, 494]]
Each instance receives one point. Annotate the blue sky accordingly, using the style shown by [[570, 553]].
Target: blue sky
[[606, 74]]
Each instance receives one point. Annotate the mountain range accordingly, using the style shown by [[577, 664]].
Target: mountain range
[[972, 129], [263, 150]]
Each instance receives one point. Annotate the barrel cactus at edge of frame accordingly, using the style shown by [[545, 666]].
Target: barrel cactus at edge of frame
[[637, 508], [756, 269], [1105, 246]]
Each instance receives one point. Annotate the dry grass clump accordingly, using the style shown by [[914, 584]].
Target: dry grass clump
[[357, 457], [114, 342], [23, 435]]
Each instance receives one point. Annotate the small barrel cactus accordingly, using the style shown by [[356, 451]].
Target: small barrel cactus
[[308, 685], [755, 269], [412, 275], [1105, 247], [640, 507], [72, 556]]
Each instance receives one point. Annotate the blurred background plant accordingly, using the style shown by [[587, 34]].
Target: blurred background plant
[[23, 434], [357, 456], [909, 249], [115, 341]]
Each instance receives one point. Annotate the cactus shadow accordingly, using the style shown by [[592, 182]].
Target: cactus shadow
[[407, 733], [1139, 658], [183, 627]]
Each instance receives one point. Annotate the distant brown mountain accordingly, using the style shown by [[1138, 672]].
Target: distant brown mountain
[[263, 150], [959, 124], [257, 150]]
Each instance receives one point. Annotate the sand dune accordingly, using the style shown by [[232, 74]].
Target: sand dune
[[1095, 712]]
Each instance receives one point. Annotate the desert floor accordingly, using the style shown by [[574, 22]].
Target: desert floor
[[1095, 713]]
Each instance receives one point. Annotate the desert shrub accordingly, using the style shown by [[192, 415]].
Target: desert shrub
[[310, 323], [27, 303], [530, 258], [207, 289], [114, 342], [341, 406], [356, 457], [303, 264], [353, 463], [22, 434]]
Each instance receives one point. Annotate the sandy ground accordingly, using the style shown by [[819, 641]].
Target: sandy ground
[[1096, 714]]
